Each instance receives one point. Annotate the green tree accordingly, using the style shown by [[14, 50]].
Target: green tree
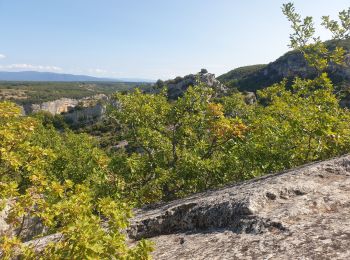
[[35, 182], [314, 50], [198, 142], [175, 148], [304, 122], [295, 125]]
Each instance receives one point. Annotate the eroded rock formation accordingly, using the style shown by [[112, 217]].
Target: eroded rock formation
[[86, 115], [290, 65], [53, 107], [176, 87]]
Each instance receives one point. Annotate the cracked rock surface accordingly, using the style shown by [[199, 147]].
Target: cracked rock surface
[[303, 213]]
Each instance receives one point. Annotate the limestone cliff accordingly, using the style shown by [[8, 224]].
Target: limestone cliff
[[83, 111], [53, 107], [64, 105], [290, 65], [86, 115]]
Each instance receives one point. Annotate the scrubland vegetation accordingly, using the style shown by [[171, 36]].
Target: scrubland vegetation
[[175, 148], [38, 92]]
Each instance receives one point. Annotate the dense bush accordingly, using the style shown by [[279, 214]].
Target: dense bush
[[196, 142], [38, 92], [175, 147], [55, 178], [193, 144]]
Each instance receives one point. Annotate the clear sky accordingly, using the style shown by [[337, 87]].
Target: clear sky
[[146, 38]]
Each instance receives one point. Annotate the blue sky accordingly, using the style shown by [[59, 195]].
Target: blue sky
[[147, 38]]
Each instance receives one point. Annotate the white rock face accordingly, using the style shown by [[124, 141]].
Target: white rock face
[[78, 111], [54, 107], [30, 227], [5, 228], [86, 114]]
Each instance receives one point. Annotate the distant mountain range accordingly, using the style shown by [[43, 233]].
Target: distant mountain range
[[59, 77]]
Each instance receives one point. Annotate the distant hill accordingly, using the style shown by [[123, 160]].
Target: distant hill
[[290, 65], [58, 77], [233, 76]]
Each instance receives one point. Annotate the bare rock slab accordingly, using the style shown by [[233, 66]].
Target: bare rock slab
[[303, 213]]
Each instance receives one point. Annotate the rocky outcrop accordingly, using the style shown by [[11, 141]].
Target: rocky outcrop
[[85, 115], [176, 87], [76, 112], [290, 65], [89, 110], [64, 105], [249, 97], [54, 107], [5, 228], [29, 227], [297, 214]]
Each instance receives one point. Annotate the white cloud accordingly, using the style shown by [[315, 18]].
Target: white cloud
[[23, 66], [98, 71], [2, 56]]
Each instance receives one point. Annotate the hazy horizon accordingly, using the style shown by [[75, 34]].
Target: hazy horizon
[[147, 39]]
